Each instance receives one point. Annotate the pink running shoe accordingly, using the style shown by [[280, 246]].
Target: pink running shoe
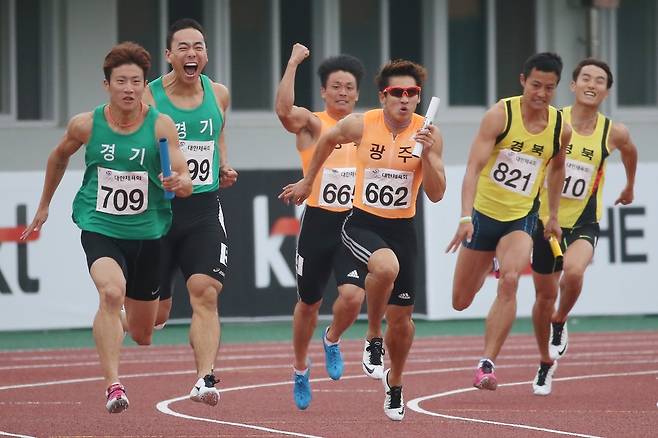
[[117, 401], [485, 378]]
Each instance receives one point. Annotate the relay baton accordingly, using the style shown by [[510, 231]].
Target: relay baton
[[429, 118], [165, 164], [555, 248]]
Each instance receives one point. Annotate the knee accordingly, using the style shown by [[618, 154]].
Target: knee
[[141, 337], [401, 324], [111, 296], [306, 309], [385, 271], [461, 301], [203, 294], [571, 276], [508, 283], [352, 296]]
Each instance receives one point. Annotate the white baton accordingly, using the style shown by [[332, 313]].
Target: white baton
[[429, 118]]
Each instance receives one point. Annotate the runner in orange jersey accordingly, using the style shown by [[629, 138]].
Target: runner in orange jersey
[[380, 230]]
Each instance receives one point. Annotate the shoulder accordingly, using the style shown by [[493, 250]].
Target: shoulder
[[147, 97], [221, 94], [80, 125], [619, 135]]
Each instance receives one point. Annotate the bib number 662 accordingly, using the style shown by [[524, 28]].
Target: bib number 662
[[386, 196]]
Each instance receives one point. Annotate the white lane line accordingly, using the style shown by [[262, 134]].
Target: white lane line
[[414, 404], [163, 407], [2, 433]]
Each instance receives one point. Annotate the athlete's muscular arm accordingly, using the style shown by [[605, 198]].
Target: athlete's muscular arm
[[492, 125], [434, 176], [348, 130], [294, 118], [620, 139], [555, 181], [179, 182], [228, 176], [77, 133]]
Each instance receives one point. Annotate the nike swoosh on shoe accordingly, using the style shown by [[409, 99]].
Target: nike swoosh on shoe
[[368, 369]]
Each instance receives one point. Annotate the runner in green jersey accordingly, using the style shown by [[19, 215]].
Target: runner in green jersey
[[120, 207], [197, 242]]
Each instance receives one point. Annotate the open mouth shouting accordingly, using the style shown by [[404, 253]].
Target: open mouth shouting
[[190, 69]]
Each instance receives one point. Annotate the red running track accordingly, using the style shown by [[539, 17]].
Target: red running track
[[606, 386]]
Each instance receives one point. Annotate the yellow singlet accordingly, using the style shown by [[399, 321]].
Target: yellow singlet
[[581, 200], [509, 183]]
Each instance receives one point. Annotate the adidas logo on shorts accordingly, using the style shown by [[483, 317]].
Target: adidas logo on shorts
[[404, 296], [353, 274]]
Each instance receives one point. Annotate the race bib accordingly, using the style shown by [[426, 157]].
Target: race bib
[[387, 188], [122, 193], [577, 178], [337, 187], [199, 155], [515, 172]]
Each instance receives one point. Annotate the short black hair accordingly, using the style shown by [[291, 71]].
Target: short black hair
[[548, 62], [595, 62], [400, 67], [346, 63], [183, 23]]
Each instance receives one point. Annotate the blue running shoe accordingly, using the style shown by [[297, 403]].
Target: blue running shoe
[[333, 360], [302, 389]]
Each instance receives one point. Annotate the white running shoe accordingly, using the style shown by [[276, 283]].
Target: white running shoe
[[373, 358], [544, 378], [393, 402], [559, 340], [117, 401], [204, 390]]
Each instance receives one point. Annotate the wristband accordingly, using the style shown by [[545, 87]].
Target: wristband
[[465, 220]]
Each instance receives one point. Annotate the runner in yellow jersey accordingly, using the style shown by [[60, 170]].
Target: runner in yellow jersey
[[594, 138], [380, 231], [326, 209], [520, 138]]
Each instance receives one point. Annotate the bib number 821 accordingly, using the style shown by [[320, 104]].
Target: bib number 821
[[508, 177], [386, 196]]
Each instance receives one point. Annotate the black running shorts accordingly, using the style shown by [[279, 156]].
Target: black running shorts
[[139, 260], [320, 251], [488, 231], [364, 233], [543, 261], [196, 242]]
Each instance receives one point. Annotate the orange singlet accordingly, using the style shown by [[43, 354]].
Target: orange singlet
[[387, 175], [333, 188]]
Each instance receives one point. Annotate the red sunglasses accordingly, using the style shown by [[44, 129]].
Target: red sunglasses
[[401, 91]]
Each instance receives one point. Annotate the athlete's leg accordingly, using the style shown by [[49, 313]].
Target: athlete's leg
[[399, 337], [141, 316], [383, 268], [204, 328], [108, 332], [304, 322], [470, 272], [164, 309], [513, 253], [546, 289], [346, 309], [576, 259]]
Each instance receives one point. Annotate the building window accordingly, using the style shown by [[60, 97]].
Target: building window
[[296, 27], [636, 53], [27, 36], [140, 22], [251, 54], [360, 36], [515, 42], [467, 52]]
